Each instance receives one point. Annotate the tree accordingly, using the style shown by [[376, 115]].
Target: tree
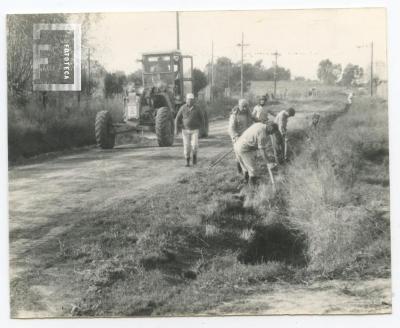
[[351, 74], [199, 81], [228, 74], [328, 72], [263, 74], [20, 49], [114, 84], [136, 77], [97, 74]]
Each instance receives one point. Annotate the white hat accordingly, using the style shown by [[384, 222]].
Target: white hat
[[242, 102], [190, 96]]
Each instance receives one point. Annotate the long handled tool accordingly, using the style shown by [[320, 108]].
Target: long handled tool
[[221, 158], [285, 150], [271, 176], [273, 143]]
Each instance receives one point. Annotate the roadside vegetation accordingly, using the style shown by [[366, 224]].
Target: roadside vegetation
[[338, 197], [64, 123], [207, 239]]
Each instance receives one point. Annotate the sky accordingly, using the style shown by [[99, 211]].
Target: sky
[[302, 37]]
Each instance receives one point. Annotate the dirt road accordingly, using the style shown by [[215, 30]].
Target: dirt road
[[326, 297], [44, 198], [40, 194], [43, 194]]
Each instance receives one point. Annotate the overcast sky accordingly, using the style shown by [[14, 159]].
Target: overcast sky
[[303, 37]]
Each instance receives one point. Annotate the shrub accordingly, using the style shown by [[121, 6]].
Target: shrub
[[62, 124], [325, 198]]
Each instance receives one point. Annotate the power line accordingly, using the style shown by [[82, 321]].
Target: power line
[[177, 31], [372, 68], [276, 54], [88, 90], [212, 71], [242, 45], [371, 46]]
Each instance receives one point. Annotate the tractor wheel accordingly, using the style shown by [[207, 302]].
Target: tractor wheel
[[105, 136], [204, 129], [164, 127]]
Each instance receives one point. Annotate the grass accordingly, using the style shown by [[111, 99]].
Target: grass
[[295, 89], [154, 256], [62, 124], [331, 201], [206, 239]]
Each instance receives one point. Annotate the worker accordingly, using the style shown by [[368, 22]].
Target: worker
[[315, 120], [239, 120], [349, 101], [350, 98], [191, 118], [281, 120], [260, 112], [313, 128], [255, 138]]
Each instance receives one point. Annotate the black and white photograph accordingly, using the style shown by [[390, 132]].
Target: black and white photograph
[[198, 163]]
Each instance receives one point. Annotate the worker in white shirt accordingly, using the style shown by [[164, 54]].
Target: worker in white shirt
[[281, 120], [260, 112]]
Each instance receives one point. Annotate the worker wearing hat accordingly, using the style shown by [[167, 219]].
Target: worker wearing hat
[[255, 138], [260, 112], [313, 131], [191, 118], [281, 120], [239, 120], [315, 120]]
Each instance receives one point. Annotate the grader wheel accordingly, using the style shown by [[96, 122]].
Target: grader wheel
[[164, 127], [105, 136]]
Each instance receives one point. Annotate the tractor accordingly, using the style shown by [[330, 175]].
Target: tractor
[[167, 77]]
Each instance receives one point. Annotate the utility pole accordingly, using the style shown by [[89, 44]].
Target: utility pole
[[229, 75], [88, 89], [177, 31], [371, 82], [276, 54], [241, 65], [372, 68], [212, 72]]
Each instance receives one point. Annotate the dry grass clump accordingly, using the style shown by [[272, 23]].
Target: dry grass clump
[[327, 199], [62, 124]]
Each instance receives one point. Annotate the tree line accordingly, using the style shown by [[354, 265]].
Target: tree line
[[226, 74], [330, 73]]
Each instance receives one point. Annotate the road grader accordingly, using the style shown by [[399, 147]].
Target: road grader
[[166, 79]]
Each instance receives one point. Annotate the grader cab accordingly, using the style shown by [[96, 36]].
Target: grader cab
[[166, 79]]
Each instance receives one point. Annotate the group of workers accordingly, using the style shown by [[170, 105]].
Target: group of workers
[[250, 131], [259, 130]]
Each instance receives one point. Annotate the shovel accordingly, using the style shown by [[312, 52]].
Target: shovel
[[271, 176]]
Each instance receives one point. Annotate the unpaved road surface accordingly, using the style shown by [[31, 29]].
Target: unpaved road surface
[[44, 197], [326, 297]]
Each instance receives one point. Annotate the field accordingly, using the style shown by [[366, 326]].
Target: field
[[137, 234], [294, 89]]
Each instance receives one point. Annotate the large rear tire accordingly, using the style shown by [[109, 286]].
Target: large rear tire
[[164, 127], [204, 129], [105, 136]]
